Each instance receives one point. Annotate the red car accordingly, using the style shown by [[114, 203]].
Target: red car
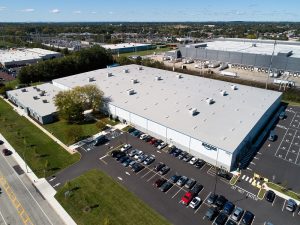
[[152, 141], [187, 198], [158, 183]]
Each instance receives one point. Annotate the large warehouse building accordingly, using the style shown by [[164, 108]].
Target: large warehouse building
[[214, 120], [24, 56], [127, 47], [248, 54]]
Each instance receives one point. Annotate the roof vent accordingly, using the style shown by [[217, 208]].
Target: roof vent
[[37, 89], [134, 81], [24, 90], [179, 76], [223, 93], [140, 68], [157, 78], [35, 97], [193, 111], [209, 101], [45, 101], [109, 74], [234, 87], [130, 91], [126, 71], [42, 93]]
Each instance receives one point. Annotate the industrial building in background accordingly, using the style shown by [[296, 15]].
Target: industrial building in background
[[128, 47], [214, 120], [17, 57], [277, 57]]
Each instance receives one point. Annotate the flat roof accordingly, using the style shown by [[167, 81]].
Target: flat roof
[[23, 54], [27, 98], [263, 48], [223, 124], [123, 45]]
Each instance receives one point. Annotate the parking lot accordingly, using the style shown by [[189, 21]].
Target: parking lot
[[167, 203]]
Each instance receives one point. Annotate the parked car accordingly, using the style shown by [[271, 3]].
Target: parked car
[[224, 174], [159, 182], [228, 208], [282, 115], [159, 166], [270, 196], [148, 139], [149, 160], [212, 198], [187, 198], [187, 158], [166, 186], [175, 178], [220, 202], [182, 180], [142, 157], [132, 163], [143, 136], [182, 155], [195, 203], [247, 218], [176, 152], [120, 155], [221, 219], [6, 152], [137, 167], [162, 145], [123, 159], [100, 140], [193, 161], [127, 162], [125, 147], [152, 141], [131, 129], [157, 143], [199, 164], [136, 133], [114, 153], [137, 155], [164, 170], [237, 214], [190, 183], [133, 152], [230, 222], [171, 149], [272, 136], [211, 213], [197, 188], [291, 205]]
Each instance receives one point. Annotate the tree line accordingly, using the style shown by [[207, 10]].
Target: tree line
[[77, 62]]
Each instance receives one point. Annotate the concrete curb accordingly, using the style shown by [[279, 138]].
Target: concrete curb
[[265, 186], [42, 185]]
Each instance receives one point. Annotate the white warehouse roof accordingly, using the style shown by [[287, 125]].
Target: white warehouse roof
[[123, 45], [169, 101]]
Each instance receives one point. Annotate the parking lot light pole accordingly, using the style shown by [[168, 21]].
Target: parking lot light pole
[[216, 176]]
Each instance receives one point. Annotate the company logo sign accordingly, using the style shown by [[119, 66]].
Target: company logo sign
[[209, 147]]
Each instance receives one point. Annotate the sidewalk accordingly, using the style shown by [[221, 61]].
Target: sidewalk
[[21, 112], [42, 185]]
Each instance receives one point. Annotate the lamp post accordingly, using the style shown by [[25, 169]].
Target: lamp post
[[216, 176]]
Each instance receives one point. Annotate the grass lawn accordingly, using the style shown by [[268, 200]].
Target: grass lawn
[[234, 179], [146, 52], [31, 143], [60, 129], [292, 103], [261, 193], [126, 128], [107, 120], [97, 199], [282, 190]]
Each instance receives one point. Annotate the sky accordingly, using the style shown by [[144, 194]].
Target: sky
[[148, 10]]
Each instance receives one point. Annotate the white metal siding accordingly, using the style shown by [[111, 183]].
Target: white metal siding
[[174, 136], [157, 128], [121, 113], [139, 121]]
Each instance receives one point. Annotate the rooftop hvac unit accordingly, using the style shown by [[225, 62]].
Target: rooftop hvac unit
[[126, 71], [130, 91], [134, 81], [23, 90], [37, 89], [234, 87], [109, 74], [193, 111], [223, 93], [91, 79], [45, 101], [209, 101], [42, 93], [35, 97], [140, 68], [157, 78], [179, 76]]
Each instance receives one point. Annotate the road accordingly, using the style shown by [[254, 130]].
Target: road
[[20, 202]]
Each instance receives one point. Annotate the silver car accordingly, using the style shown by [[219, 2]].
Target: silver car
[[237, 214]]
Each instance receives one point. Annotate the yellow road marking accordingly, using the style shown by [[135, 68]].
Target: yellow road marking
[[21, 211]]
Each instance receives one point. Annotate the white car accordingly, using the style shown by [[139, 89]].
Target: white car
[[143, 136], [138, 154], [162, 145], [193, 161], [125, 147], [194, 204]]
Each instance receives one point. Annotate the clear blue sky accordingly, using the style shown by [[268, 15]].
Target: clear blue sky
[[148, 10]]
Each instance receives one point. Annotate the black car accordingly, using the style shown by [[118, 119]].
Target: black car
[[175, 178], [157, 143], [224, 174], [166, 186], [100, 140], [220, 202], [187, 158], [6, 152], [270, 196], [148, 138], [123, 159], [212, 198], [190, 183], [177, 152], [159, 166], [230, 222], [137, 167], [115, 153], [149, 160], [247, 218], [130, 130], [182, 155], [211, 213], [199, 164], [171, 150], [120, 155], [221, 219], [158, 183], [164, 170], [197, 188]]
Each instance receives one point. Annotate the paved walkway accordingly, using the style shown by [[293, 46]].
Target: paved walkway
[[21, 112]]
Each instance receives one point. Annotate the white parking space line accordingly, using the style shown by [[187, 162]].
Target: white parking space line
[[103, 161], [281, 142], [283, 205], [274, 200], [3, 218], [146, 173], [293, 120], [204, 202], [56, 185], [151, 177], [177, 192], [103, 157]]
